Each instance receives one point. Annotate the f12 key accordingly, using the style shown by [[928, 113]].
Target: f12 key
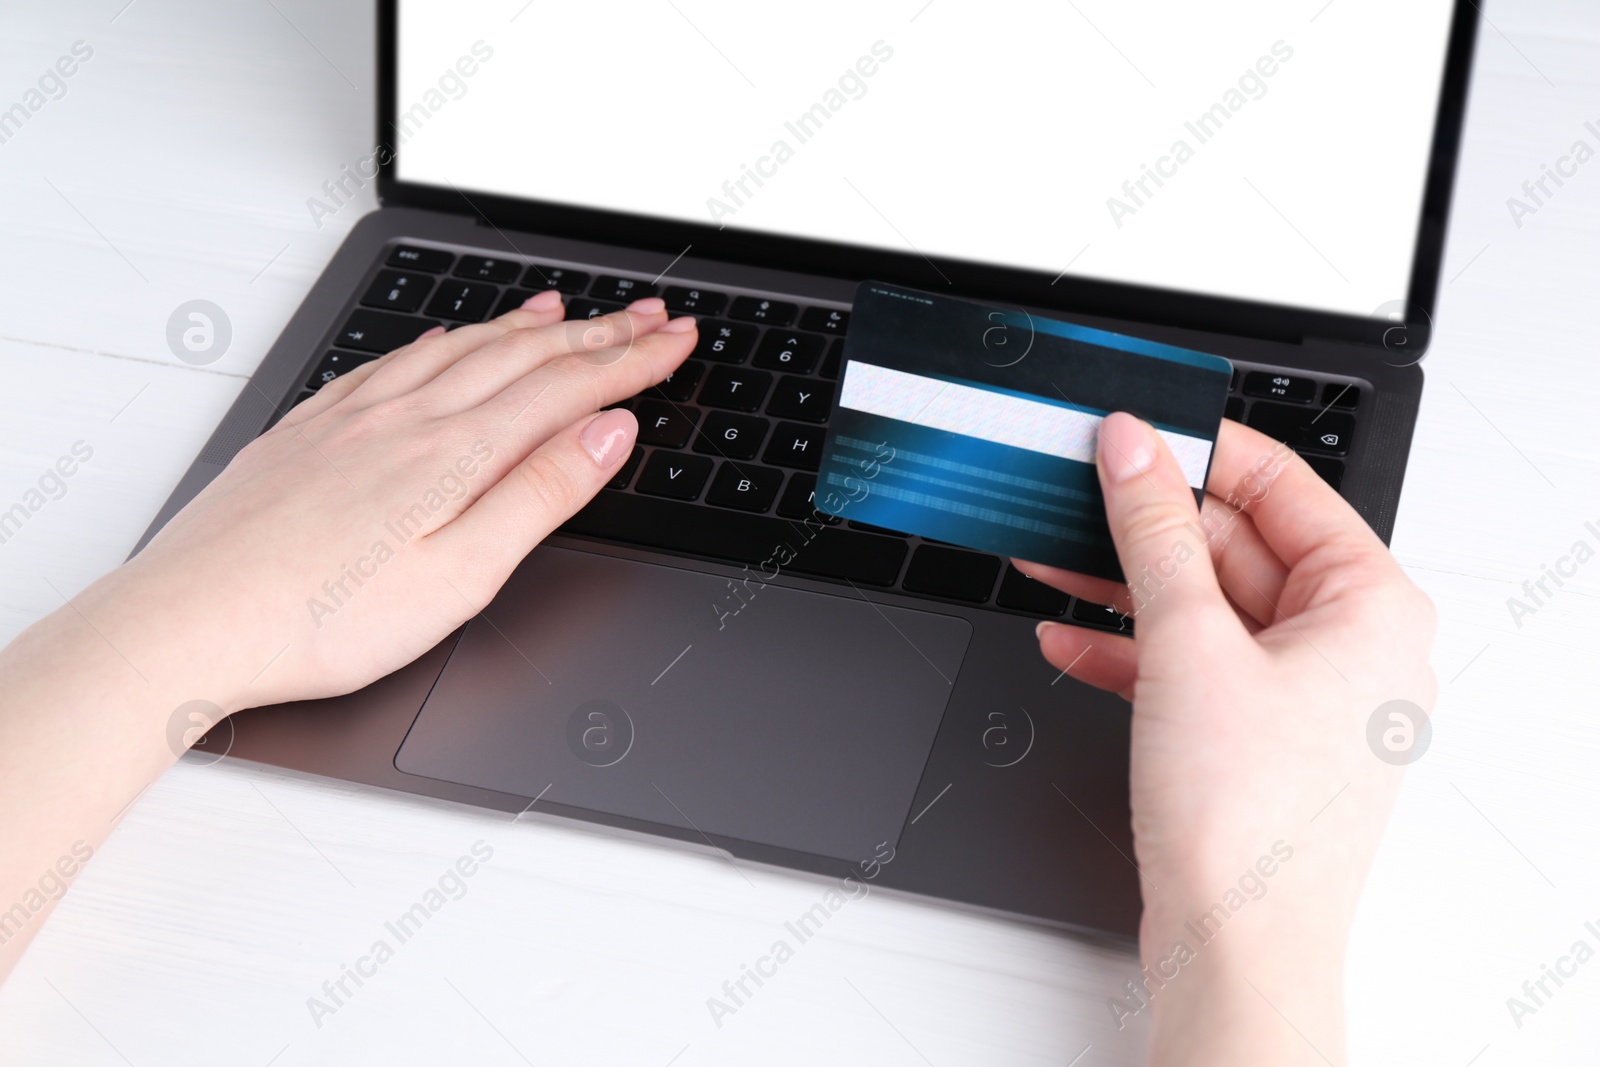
[[1274, 385]]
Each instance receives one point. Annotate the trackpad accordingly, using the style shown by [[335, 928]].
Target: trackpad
[[790, 718]]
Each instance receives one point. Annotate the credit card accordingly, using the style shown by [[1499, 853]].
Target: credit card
[[976, 424]]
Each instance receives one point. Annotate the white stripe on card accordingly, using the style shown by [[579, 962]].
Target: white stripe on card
[[999, 418]]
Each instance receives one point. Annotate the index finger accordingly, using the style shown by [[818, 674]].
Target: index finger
[[1293, 508]]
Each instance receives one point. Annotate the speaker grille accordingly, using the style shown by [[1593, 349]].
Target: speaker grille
[[244, 424]]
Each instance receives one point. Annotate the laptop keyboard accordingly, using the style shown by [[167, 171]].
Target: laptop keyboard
[[729, 445]]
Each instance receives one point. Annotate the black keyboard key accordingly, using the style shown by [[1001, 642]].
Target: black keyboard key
[[694, 301], [585, 308], [857, 558], [1101, 617], [381, 331], [486, 269], [794, 445], [1021, 593], [731, 436], [952, 573], [1304, 428], [334, 364], [867, 526], [624, 473], [432, 260], [830, 365], [795, 547], [679, 385], [744, 486], [1233, 409], [725, 342], [805, 399], [1275, 385], [767, 312], [626, 290], [563, 279], [735, 388], [510, 300], [396, 290], [674, 474], [463, 301], [825, 320], [788, 350], [664, 424], [800, 500], [1336, 395], [1330, 470]]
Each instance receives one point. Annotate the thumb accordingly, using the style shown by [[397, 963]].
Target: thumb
[[535, 496], [1155, 523]]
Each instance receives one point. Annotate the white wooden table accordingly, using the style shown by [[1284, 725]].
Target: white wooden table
[[178, 165]]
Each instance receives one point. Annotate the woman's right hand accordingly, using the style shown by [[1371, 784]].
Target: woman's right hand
[[1271, 626]]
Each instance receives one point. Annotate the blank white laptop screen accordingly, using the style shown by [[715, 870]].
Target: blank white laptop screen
[[1257, 149]]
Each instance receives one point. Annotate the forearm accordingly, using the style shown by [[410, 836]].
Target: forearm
[[1263, 991], [477, 442], [83, 731]]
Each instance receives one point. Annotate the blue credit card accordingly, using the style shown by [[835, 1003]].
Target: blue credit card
[[976, 425]]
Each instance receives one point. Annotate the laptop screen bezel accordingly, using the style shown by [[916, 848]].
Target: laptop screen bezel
[[984, 281]]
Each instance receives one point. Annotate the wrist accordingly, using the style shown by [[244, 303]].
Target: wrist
[[115, 660], [1263, 983], [95, 702], [164, 635]]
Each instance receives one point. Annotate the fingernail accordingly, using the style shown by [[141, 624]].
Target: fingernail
[[1127, 446], [650, 305], [547, 300], [432, 332], [1043, 628], [609, 436], [679, 325]]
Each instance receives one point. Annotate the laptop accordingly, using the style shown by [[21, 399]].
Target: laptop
[[1267, 186]]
